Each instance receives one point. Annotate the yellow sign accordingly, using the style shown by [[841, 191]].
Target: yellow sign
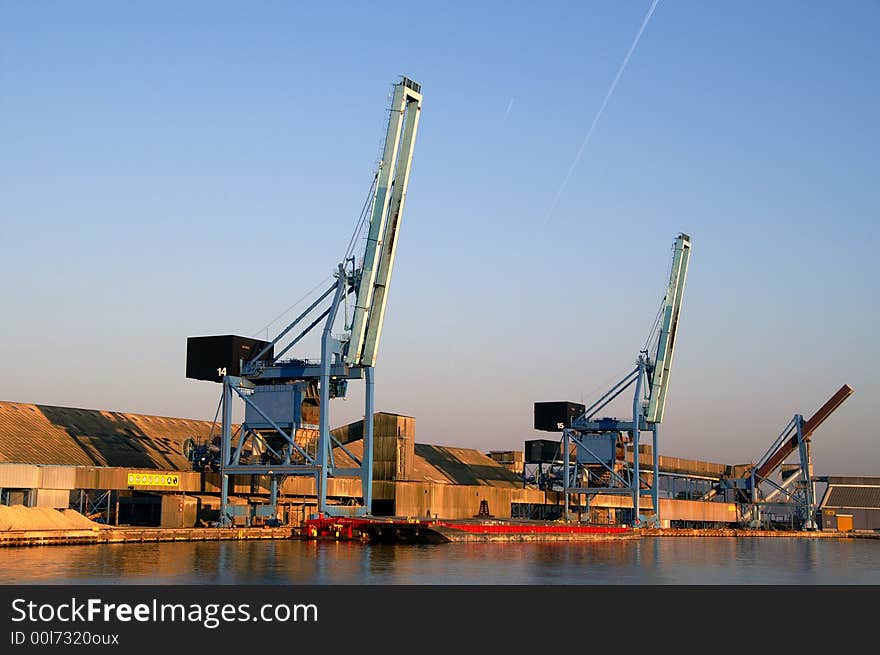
[[153, 480]]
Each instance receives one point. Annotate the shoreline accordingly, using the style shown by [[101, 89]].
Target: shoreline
[[420, 533]]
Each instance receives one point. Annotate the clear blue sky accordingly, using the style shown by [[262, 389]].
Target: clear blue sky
[[172, 169]]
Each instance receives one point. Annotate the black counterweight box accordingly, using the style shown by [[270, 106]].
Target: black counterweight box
[[210, 358], [556, 416]]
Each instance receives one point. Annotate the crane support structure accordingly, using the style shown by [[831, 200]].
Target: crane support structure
[[796, 488], [789, 446], [284, 396]]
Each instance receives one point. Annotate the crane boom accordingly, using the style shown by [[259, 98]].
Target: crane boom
[[790, 445], [387, 208], [668, 328]]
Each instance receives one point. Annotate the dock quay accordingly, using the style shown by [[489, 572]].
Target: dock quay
[[136, 535], [748, 533], [398, 531]]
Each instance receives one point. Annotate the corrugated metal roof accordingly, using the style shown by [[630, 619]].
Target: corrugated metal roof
[[44, 434], [461, 466], [851, 479], [445, 466], [852, 496]]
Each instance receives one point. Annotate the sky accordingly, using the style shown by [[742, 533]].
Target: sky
[[178, 169]]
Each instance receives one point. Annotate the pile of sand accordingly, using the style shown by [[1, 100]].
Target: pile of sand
[[19, 517]]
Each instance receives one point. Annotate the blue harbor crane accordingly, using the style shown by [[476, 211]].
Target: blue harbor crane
[[284, 395], [596, 442]]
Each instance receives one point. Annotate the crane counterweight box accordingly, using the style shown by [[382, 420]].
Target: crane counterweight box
[[210, 358], [556, 416], [542, 450]]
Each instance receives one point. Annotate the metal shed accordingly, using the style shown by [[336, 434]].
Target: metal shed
[[850, 503]]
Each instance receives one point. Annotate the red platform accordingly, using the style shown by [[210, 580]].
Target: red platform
[[403, 529]]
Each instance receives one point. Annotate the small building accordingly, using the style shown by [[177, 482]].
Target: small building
[[512, 460], [850, 503]]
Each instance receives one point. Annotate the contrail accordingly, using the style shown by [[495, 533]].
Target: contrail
[[507, 113], [608, 95]]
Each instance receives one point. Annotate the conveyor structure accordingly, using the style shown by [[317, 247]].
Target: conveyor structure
[[759, 492]]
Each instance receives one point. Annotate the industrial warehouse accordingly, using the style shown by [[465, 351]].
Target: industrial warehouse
[[130, 469], [139, 470]]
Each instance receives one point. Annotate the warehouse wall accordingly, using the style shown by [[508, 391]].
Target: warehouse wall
[[56, 498], [418, 499], [862, 518]]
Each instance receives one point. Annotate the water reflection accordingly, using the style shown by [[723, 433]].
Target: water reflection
[[646, 561]]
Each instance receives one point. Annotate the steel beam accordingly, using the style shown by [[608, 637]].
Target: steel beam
[[668, 329], [636, 433], [373, 331], [817, 419], [610, 395], [271, 469], [566, 456], [619, 491], [378, 222], [324, 424], [367, 461], [655, 486], [281, 335], [225, 448]]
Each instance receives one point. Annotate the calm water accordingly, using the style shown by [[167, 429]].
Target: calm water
[[647, 561]]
